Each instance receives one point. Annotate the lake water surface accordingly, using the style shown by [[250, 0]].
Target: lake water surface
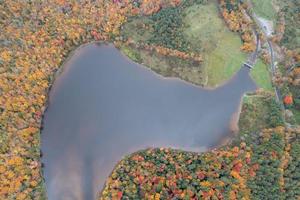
[[103, 107]]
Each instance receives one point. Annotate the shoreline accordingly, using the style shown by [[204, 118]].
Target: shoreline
[[223, 142], [204, 87]]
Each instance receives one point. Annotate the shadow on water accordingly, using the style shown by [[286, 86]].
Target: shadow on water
[[104, 106]]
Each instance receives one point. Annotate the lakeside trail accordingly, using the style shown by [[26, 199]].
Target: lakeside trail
[[267, 31]]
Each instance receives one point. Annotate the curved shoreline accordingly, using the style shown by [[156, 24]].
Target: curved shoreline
[[223, 143], [205, 87], [73, 52], [76, 49]]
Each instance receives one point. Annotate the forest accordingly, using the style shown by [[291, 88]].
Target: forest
[[37, 36]]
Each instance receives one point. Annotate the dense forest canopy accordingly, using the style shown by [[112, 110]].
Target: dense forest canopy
[[37, 36]]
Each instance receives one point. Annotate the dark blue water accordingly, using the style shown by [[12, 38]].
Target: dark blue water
[[103, 107]]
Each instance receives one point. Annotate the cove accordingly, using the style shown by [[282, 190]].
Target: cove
[[104, 106]]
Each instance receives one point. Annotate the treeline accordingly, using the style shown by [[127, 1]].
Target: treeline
[[268, 151], [290, 10], [262, 169], [167, 27], [171, 174], [287, 37], [259, 111], [235, 16], [291, 175], [36, 37]]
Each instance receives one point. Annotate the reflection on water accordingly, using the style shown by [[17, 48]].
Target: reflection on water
[[104, 106]]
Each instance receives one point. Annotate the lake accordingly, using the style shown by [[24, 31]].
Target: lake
[[104, 106]]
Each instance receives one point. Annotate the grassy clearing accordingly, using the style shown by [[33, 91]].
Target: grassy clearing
[[259, 111], [223, 63], [205, 33], [265, 9], [261, 75], [208, 34]]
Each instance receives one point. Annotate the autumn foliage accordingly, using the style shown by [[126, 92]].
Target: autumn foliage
[[288, 100], [166, 174], [233, 172], [35, 39], [166, 51], [235, 16]]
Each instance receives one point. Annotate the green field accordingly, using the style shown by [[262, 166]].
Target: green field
[[261, 75], [202, 31], [265, 9], [221, 47]]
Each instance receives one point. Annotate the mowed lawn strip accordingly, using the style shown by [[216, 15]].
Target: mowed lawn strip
[[261, 75]]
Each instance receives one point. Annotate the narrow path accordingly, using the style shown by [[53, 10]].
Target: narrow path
[[277, 91], [271, 52]]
